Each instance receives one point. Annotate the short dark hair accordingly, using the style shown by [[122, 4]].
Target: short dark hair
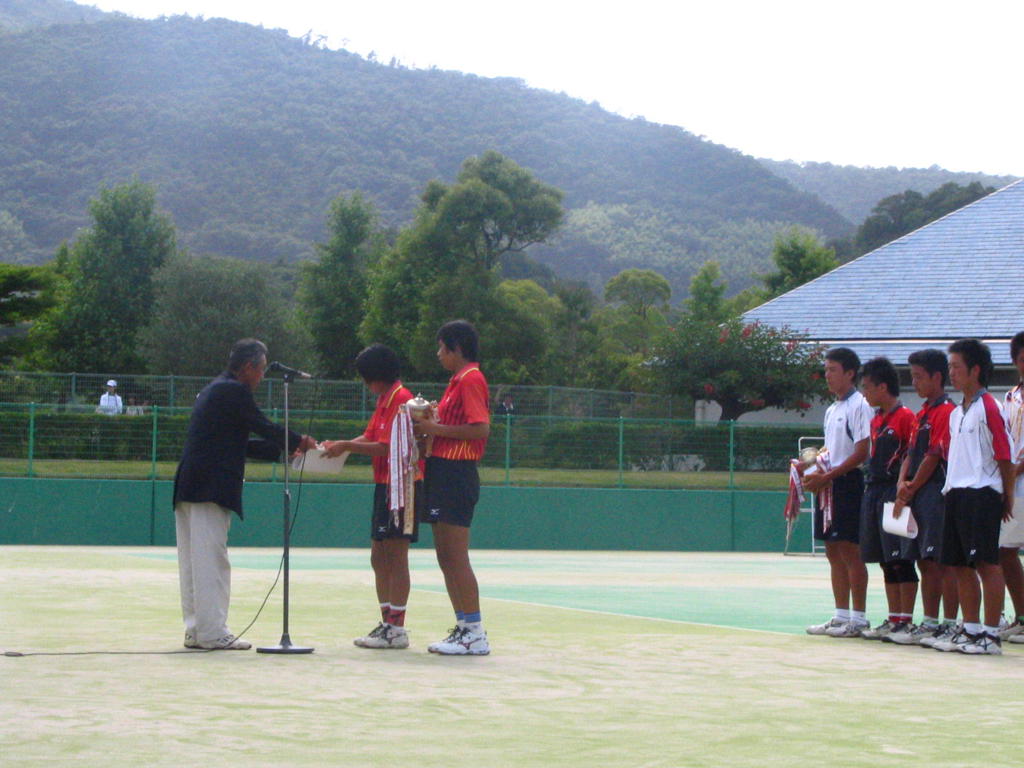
[[846, 357], [245, 351], [974, 353], [378, 363], [462, 335], [933, 361], [1016, 344], [881, 371]]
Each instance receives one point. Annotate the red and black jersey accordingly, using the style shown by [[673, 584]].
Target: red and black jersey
[[931, 437], [890, 438], [465, 401]]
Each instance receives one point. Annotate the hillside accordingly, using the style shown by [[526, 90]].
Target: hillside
[[854, 191], [18, 15], [247, 135]]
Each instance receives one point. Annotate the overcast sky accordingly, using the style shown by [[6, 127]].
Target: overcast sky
[[894, 82]]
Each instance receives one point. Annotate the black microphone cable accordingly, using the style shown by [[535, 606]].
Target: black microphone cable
[[266, 598]]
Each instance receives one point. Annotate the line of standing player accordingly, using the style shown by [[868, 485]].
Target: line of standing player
[[958, 467]]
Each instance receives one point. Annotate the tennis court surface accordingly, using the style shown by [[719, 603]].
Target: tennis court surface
[[599, 659]]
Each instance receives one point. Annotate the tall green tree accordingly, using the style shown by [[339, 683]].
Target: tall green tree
[[799, 257], [204, 304], [333, 291], [24, 296], [109, 283], [641, 291], [444, 265], [707, 293]]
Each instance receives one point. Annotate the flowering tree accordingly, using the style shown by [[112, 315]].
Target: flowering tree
[[741, 366]]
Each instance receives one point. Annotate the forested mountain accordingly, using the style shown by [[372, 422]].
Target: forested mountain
[[854, 191], [16, 15], [248, 134]]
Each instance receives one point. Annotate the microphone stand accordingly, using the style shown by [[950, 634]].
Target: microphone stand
[[285, 646]]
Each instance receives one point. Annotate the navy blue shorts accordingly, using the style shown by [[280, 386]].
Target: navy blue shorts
[[847, 493], [929, 510], [382, 524], [452, 489], [971, 531], [877, 546]]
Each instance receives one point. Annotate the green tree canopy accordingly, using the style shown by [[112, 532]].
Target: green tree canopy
[[639, 290], [333, 291], [24, 295], [108, 295], [741, 366], [799, 257], [203, 305]]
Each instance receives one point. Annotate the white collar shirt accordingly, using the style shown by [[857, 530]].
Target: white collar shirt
[[1013, 407], [978, 440], [847, 422], [110, 404]]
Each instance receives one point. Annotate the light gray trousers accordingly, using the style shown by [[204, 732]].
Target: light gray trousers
[[204, 570]]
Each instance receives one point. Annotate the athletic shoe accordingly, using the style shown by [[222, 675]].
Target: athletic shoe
[[903, 633], [943, 633], [924, 634], [466, 644], [190, 640], [1012, 630], [981, 643], [1018, 638], [882, 630], [849, 629], [956, 640], [453, 635], [227, 643], [384, 636], [822, 629]]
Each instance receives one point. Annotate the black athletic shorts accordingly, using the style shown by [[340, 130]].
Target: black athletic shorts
[[877, 546], [382, 524], [929, 510], [452, 489], [847, 492], [971, 531]]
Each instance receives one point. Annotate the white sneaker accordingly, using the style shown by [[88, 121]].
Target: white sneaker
[[384, 636], [903, 633], [882, 630], [849, 629], [982, 643], [453, 635], [467, 643], [227, 643], [942, 634], [822, 629], [957, 639], [190, 640], [1012, 630]]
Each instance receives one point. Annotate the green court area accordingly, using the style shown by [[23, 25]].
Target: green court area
[[599, 659]]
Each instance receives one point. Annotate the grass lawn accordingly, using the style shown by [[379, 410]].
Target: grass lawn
[[360, 473]]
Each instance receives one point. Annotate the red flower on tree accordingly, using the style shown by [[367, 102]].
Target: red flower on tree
[[709, 389]]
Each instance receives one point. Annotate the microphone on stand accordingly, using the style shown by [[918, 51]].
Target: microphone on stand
[[276, 366]]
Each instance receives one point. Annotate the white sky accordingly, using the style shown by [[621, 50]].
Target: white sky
[[875, 82]]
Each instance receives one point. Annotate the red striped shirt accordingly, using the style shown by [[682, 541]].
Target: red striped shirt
[[465, 401]]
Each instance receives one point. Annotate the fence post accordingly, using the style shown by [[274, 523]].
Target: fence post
[[74, 387], [152, 470], [31, 437], [170, 392], [621, 450], [732, 454], [508, 448]]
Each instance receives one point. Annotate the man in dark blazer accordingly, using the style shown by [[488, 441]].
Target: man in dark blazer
[[208, 488]]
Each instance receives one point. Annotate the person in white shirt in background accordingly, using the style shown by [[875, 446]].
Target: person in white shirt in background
[[1011, 534], [110, 401]]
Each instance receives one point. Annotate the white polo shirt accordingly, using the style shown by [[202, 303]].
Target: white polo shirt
[[109, 404], [978, 438], [1013, 407], [847, 422]]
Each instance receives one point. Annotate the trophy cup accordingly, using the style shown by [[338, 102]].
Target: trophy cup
[[420, 409], [809, 456]]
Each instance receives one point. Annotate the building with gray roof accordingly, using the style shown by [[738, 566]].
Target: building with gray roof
[[959, 276]]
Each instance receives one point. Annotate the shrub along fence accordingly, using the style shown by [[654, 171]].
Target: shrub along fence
[[55, 441]]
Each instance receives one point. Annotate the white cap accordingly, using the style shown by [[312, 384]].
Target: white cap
[[111, 383]]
